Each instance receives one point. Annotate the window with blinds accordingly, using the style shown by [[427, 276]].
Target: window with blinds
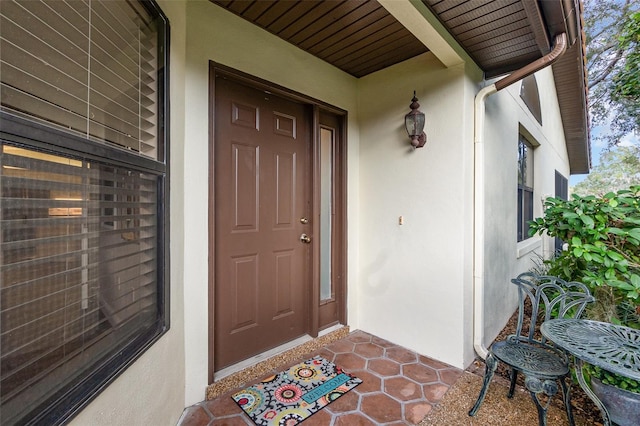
[[525, 187], [83, 204], [88, 66]]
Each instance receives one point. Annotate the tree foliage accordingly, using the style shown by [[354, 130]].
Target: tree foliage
[[625, 84], [619, 168], [612, 30]]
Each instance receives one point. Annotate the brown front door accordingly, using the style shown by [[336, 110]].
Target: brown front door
[[262, 206]]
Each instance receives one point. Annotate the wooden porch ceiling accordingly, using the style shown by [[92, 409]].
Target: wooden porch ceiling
[[357, 36], [361, 37]]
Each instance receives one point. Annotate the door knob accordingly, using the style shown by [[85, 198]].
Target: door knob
[[305, 238]]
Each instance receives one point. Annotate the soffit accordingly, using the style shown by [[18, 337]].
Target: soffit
[[361, 37], [357, 36], [500, 36]]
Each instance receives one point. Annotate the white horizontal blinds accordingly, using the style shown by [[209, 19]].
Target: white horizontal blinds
[[78, 271], [88, 66], [44, 60], [122, 98], [127, 246]]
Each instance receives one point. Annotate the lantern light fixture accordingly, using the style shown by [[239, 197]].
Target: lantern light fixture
[[414, 123]]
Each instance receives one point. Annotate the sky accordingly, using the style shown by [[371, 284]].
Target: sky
[[598, 146]]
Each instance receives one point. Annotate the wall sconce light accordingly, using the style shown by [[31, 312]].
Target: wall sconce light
[[414, 123]]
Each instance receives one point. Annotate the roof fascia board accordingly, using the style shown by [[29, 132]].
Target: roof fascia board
[[534, 14], [425, 26]]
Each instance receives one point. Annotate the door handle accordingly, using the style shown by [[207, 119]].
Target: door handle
[[305, 238]]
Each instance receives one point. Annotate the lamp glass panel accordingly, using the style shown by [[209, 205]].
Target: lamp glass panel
[[414, 123]]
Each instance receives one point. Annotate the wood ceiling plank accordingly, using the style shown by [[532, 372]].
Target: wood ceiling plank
[[382, 58], [440, 6], [475, 9], [499, 36], [346, 23], [384, 61], [309, 19], [362, 30], [516, 45], [238, 6], [515, 55], [294, 14], [384, 46], [274, 13], [472, 20], [504, 25], [362, 44], [327, 19], [257, 8]]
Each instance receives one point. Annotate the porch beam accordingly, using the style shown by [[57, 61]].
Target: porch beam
[[426, 27]]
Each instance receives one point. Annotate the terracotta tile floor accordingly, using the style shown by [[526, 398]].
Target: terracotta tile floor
[[399, 387]]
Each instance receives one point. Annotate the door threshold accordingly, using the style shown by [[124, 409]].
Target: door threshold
[[253, 368], [227, 371]]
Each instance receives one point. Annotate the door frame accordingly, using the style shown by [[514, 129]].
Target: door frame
[[339, 183]]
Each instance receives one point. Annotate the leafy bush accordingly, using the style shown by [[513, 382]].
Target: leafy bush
[[613, 379], [603, 251], [603, 239]]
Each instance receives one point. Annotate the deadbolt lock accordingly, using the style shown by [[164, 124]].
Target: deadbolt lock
[[305, 238], [304, 220]]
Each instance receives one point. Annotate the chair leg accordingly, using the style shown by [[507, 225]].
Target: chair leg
[[536, 388], [566, 396], [542, 412], [512, 386], [491, 364]]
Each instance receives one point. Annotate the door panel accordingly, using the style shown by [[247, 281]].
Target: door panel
[[262, 278], [285, 189], [244, 279], [245, 195]]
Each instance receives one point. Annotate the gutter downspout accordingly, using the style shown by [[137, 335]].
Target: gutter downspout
[[560, 46]]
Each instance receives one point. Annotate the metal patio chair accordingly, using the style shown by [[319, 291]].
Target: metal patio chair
[[527, 352]]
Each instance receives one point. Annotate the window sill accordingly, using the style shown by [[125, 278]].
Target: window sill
[[528, 245]]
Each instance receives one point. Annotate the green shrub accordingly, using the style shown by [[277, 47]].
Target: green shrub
[[612, 379], [603, 238], [603, 251]]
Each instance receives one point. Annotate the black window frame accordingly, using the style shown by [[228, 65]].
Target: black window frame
[[33, 134], [525, 188]]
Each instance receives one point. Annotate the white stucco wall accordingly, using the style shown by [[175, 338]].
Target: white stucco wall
[[414, 276], [505, 257], [151, 391], [410, 283], [214, 34]]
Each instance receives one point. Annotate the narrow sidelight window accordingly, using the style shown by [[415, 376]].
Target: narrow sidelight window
[[327, 142]]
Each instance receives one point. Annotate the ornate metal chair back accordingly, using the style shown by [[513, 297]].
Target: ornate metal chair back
[[550, 297]]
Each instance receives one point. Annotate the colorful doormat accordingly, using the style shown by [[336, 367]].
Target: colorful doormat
[[291, 396]]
